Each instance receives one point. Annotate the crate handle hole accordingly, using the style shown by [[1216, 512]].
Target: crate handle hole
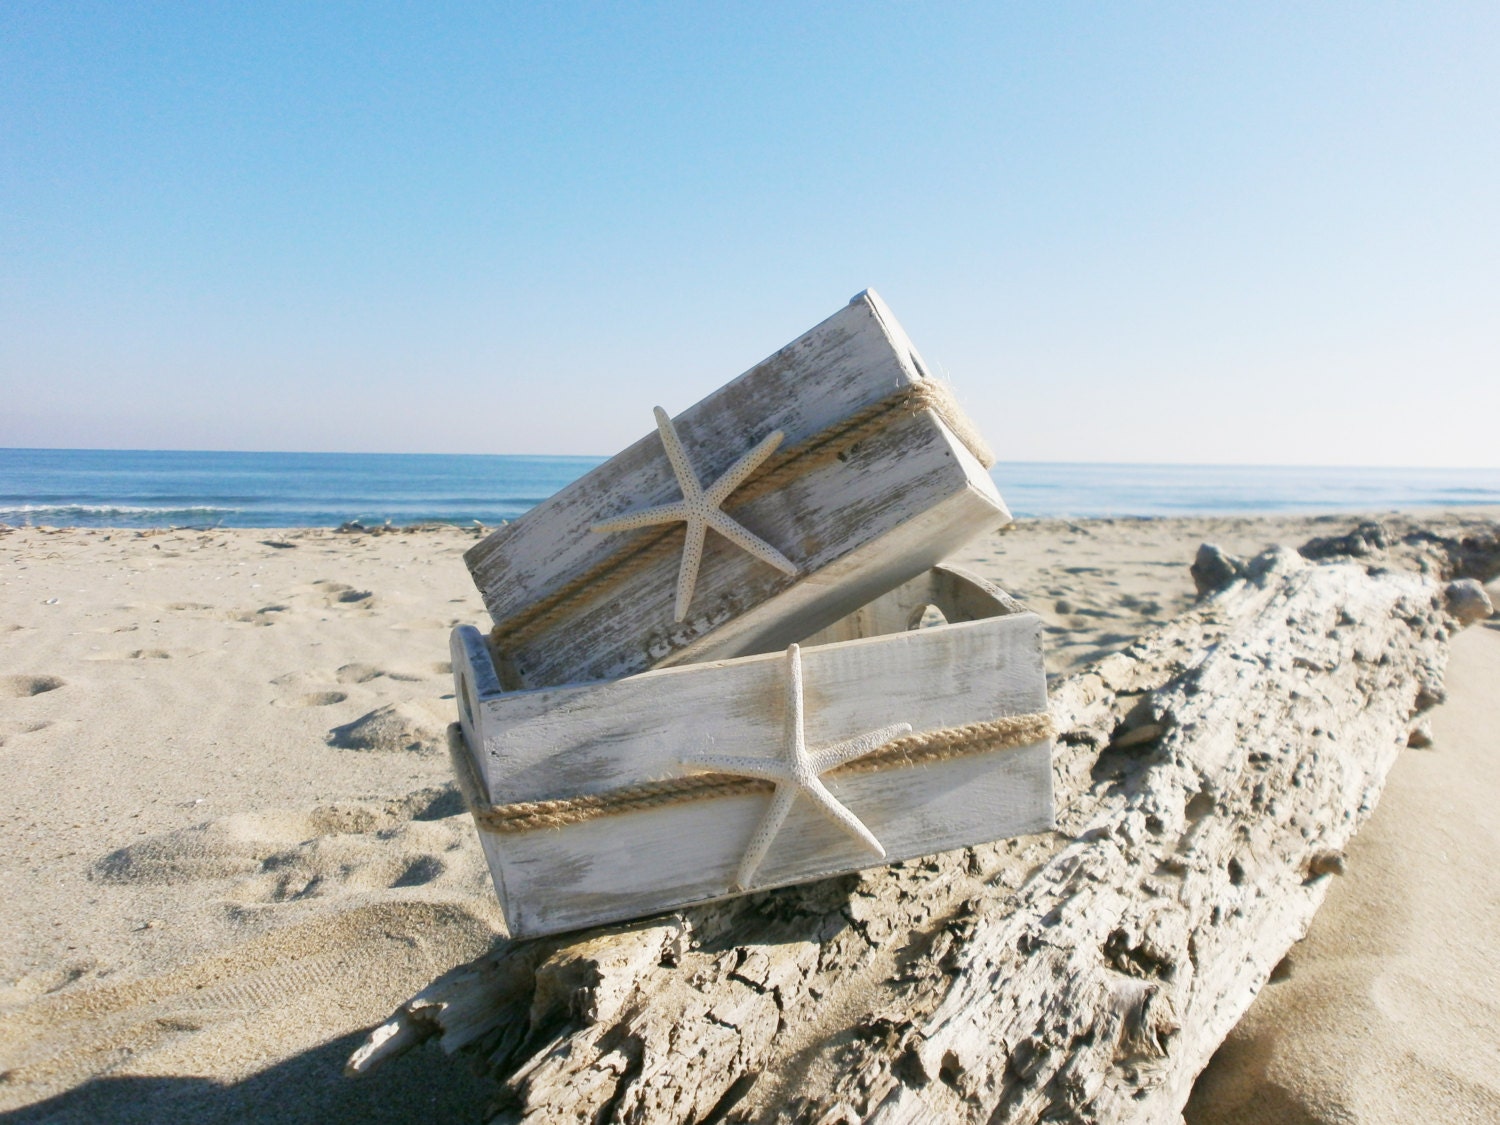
[[925, 617], [466, 699]]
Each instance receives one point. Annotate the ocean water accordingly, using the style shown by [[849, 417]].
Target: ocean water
[[131, 488], [137, 488]]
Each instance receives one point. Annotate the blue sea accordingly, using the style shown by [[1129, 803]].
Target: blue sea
[[130, 488]]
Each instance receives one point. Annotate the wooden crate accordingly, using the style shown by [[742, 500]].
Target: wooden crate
[[877, 478], [570, 744]]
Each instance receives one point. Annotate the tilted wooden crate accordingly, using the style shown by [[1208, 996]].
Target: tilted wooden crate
[[877, 476], [594, 806]]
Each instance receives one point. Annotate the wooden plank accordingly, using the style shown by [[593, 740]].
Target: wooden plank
[[553, 743], [891, 506], [639, 864]]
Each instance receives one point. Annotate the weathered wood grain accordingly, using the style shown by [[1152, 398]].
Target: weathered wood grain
[[1205, 777], [586, 739], [882, 512]]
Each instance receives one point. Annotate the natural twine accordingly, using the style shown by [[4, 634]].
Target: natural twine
[[941, 745], [645, 551]]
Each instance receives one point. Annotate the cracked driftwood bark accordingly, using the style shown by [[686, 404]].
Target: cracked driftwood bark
[[1207, 779]]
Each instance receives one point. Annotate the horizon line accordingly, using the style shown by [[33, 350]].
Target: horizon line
[[604, 457]]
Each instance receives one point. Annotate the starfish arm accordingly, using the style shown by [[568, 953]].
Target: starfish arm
[[765, 832], [687, 479], [768, 769], [830, 807], [737, 473], [687, 572], [736, 534], [796, 745], [646, 517], [825, 758]]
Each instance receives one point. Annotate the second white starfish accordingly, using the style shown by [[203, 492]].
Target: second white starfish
[[796, 772], [700, 508]]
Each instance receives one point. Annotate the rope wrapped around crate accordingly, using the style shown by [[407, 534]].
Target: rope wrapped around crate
[[1005, 733]]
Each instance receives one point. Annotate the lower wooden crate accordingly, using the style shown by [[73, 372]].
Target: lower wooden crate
[[554, 755]]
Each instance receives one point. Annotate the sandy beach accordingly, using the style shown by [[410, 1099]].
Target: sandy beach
[[229, 844]]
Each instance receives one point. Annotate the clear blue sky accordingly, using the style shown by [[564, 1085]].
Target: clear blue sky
[[1135, 232]]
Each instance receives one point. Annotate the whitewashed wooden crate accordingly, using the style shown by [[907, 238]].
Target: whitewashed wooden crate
[[856, 511], [524, 749]]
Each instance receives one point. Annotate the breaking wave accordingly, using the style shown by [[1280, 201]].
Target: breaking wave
[[113, 515]]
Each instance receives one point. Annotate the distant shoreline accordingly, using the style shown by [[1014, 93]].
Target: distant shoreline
[[142, 489]]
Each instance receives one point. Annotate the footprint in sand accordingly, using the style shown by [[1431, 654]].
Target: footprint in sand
[[23, 728], [266, 615], [422, 624], [341, 595], [420, 871], [346, 847], [364, 673], [58, 977], [358, 673], [414, 726], [244, 1003], [312, 699], [20, 687], [289, 679]]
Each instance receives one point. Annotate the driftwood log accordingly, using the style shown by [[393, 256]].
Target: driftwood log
[[1207, 778]]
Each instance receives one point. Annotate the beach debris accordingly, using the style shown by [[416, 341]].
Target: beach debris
[[1467, 601], [1325, 863], [1459, 552], [1214, 569], [1367, 540]]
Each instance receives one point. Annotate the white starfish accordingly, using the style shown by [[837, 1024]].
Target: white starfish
[[796, 771], [699, 507]]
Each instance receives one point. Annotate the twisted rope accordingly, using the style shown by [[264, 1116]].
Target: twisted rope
[[940, 745], [646, 550]]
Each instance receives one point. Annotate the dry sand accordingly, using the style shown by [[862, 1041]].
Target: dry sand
[[228, 844]]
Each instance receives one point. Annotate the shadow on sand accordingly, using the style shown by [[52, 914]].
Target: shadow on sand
[[424, 1085]]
